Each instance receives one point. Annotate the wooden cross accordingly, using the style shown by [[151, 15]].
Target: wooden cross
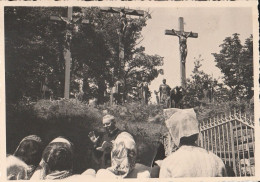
[[183, 36], [71, 25]]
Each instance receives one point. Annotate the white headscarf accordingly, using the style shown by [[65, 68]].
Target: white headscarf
[[182, 123], [16, 168]]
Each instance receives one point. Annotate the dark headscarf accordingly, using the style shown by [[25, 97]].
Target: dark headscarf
[[30, 150], [57, 160]]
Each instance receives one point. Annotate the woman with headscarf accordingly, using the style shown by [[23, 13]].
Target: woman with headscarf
[[57, 160], [16, 168], [123, 157], [30, 150], [189, 160]]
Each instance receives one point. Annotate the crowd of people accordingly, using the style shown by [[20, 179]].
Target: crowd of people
[[116, 154]]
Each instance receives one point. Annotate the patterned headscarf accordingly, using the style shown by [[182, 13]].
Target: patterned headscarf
[[182, 123], [123, 155]]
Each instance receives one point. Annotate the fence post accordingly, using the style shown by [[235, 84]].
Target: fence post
[[233, 147]]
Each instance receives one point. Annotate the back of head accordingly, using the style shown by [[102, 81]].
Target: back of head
[[30, 152], [58, 156], [182, 123], [16, 168], [145, 154]]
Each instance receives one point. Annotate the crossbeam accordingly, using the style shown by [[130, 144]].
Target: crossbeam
[[126, 11], [192, 35]]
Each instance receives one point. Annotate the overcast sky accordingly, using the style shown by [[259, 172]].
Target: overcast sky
[[213, 25]]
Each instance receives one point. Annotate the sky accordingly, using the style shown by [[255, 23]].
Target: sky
[[213, 25]]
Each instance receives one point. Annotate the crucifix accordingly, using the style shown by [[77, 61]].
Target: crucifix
[[121, 33], [183, 36], [72, 25]]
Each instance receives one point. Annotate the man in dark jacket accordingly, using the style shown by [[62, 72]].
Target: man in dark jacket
[[103, 144]]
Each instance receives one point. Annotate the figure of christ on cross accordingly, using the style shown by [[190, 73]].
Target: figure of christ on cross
[[183, 44]]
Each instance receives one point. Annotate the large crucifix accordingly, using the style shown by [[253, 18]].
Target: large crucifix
[[183, 36], [72, 25]]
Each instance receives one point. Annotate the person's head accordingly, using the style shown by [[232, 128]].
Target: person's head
[[144, 154], [189, 140], [109, 123], [183, 127], [58, 155], [30, 150], [164, 81], [16, 168]]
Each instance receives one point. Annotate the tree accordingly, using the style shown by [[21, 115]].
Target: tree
[[35, 45], [236, 63], [201, 88]]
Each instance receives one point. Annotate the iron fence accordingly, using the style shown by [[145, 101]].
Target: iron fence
[[231, 137]]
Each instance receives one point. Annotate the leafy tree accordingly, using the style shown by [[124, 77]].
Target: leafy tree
[[35, 45], [201, 88], [236, 63]]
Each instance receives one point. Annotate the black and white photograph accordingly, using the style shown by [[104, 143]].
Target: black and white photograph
[[117, 92]]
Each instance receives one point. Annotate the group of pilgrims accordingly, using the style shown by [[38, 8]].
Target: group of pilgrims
[[117, 153]]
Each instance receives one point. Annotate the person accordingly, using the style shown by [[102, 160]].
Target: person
[[103, 144], [123, 158], [164, 90], [189, 160], [16, 168], [30, 151], [116, 93], [57, 161]]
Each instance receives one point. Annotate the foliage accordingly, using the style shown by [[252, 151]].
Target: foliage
[[47, 109], [35, 45], [200, 82], [236, 62]]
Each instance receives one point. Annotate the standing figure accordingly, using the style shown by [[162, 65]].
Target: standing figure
[[164, 90], [157, 97], [45, 89], [143, 91], [183, 44], [116, 93]]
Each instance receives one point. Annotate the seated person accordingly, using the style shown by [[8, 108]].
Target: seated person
[[30, 150], [103, 145], [189, 160], [123, 157], [57, 161]]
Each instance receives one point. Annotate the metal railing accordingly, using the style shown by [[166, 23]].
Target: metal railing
[[231, 137]]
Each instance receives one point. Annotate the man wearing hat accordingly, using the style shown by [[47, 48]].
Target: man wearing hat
[[103, 144]]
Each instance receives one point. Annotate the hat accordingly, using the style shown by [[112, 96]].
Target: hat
[[182, 123]]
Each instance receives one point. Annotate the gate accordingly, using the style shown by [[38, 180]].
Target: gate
[[231, 137]]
